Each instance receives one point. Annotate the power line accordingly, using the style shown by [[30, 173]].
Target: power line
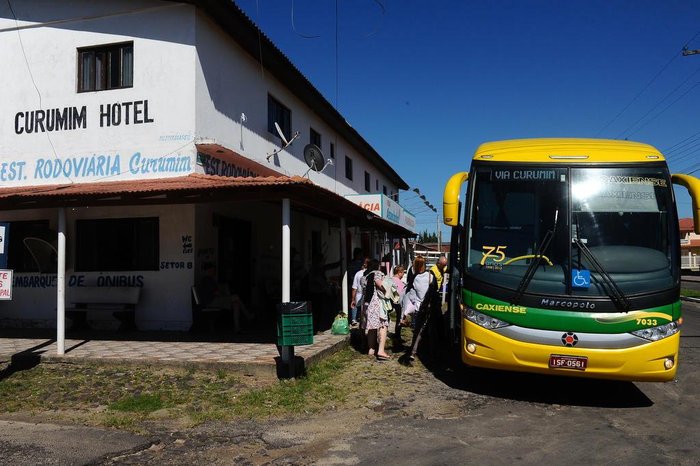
[[689, 164], [305, 36], [31, 75], [667, 107], [678, 155], [695, 168], [634, 99], [659, 103], [673, 147]]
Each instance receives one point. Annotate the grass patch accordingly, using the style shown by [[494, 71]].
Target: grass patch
[[91, 388], [144, 403], [121, 422], [690, 293], [306, 394], [123, 397]]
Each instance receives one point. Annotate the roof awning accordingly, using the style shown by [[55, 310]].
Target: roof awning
[[198, 188]]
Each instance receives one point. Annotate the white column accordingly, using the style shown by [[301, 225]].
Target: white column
[[439, 234], [286, 251], [344, 265], [287, 352], [61, 284]]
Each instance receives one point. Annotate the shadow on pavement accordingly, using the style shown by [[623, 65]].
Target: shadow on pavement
[[24, 360], [257, 334], [536, 388]]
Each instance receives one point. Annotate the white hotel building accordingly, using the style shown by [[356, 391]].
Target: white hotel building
[[142, 134]]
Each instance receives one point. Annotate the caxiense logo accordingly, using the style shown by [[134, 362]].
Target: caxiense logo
[[501, 308]]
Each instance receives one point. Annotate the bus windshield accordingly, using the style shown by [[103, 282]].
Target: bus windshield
[[587, 229]]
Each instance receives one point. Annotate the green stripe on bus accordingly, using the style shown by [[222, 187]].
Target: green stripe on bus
[[573, 321]]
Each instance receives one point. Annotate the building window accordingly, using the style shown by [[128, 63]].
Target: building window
[[315, 138], [31, 247], [278, 113], [384, 190], [106, 67], [348, 168], [377, 185], [117, 244], [332, 150], [367, 185]]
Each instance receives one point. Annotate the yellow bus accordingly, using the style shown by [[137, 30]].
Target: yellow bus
[[566, 259]]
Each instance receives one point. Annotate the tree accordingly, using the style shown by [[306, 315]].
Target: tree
[[425, 237]]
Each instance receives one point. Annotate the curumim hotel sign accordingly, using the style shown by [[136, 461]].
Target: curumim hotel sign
[[386, 208], [88, 166]]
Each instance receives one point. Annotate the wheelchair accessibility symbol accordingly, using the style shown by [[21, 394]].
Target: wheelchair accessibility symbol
[[580, 278]]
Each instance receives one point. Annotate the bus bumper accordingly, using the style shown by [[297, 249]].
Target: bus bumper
[[486, 348]]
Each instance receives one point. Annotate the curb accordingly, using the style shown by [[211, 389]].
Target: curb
[[245, 368], [689, 299], [324, 353]]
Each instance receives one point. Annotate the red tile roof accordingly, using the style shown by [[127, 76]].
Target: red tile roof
[[193, 182], [685, 224], [197, 188], [693, 243]]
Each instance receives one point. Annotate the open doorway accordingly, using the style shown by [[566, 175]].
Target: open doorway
[[235, 265]]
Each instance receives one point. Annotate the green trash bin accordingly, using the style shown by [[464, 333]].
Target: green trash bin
[[295, 324]]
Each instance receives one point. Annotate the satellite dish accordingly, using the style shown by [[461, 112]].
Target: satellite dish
[[281, 134], [43, 253], [314, 157], [284, 140]]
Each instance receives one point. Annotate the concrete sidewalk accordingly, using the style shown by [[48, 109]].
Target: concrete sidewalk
[[250, 358]]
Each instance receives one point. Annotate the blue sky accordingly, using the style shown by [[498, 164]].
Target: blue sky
[[426, 82]]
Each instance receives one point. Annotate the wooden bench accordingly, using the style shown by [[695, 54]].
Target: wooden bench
[[120, 301]]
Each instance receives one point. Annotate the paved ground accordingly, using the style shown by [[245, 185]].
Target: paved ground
[[24, 443], [258, 358], [415, 415], [35, 442], [424, 415], [691, 282]]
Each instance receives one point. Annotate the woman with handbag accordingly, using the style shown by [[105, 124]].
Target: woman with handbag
[[377, 320]]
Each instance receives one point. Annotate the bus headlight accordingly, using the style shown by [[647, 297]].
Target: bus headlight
[[658, 333], [483, 320]]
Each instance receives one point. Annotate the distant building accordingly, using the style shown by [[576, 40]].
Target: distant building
[[690, 245]]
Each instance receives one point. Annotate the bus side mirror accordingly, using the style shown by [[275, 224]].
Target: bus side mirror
[[692, 184], [450, 198]]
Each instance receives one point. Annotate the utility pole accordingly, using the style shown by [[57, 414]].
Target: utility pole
[[439, 233]]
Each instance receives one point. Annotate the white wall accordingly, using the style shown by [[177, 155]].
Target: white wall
[[40, 73], [230, 83], [189, 95], [192, 95], [165, 295]]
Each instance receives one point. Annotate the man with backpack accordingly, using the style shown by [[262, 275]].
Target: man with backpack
[[429, 315]]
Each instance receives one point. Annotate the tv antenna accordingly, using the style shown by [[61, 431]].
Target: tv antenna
[[313, 156], [284, 141]]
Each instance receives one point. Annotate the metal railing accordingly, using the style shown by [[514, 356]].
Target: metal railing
[[690, 262]]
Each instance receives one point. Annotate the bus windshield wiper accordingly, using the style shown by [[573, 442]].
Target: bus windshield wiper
[[614, 291], [539, 254]]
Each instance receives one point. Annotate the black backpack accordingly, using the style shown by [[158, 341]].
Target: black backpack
[[409, 280]]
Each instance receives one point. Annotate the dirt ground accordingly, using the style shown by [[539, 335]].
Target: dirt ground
[[380, 390], [427, 413]]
